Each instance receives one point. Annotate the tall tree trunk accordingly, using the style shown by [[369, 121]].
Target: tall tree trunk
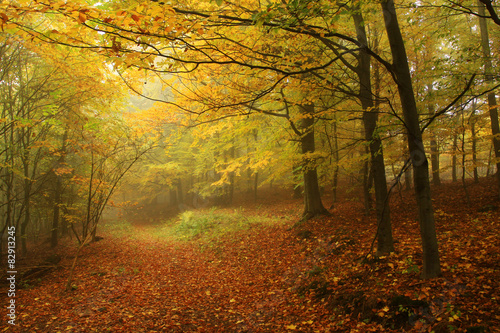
[[385, 243], [401, 70], [312, 197], [492, 103]]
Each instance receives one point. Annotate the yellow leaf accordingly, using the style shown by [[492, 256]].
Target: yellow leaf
[[290, 327]]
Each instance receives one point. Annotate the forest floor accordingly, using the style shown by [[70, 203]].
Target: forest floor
[[248, 269]]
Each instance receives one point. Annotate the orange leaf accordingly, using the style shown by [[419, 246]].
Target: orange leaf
[[82, 17]]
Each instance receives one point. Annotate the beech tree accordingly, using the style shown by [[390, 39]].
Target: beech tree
[[488, 73], [431, 267], [370, 116]]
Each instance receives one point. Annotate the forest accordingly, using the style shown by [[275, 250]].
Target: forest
[[249, 166]]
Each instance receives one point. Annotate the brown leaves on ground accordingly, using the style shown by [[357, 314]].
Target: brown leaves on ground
[[275, 278]]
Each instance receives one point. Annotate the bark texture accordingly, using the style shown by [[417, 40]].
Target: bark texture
[[312, 197]]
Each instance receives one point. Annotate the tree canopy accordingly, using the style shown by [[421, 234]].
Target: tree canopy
[[194, 101]]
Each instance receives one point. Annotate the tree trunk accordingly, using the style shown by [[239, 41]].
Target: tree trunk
[[492, 103], [385, 243], [401, 70], [312, 197]]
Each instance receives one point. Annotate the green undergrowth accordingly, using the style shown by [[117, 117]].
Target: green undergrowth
[[213, 224], [209, 225]]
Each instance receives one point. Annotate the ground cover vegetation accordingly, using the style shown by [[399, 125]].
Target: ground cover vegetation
[[252, 165]]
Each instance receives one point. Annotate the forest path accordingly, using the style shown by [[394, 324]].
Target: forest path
[[140, 282], [264, 276]]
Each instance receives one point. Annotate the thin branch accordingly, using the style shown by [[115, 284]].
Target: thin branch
[[449, 106]]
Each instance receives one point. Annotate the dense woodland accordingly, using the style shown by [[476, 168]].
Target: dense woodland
[[339, 161]]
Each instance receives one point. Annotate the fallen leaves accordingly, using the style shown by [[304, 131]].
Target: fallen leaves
[[268, 279]]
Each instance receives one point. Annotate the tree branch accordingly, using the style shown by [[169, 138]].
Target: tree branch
[[439, 113]]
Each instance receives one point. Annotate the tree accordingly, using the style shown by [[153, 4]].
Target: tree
[[401, 70], [385, 243], [312, 197], [488, 73]]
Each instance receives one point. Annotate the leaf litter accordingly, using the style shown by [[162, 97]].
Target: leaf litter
[[274, 277]]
